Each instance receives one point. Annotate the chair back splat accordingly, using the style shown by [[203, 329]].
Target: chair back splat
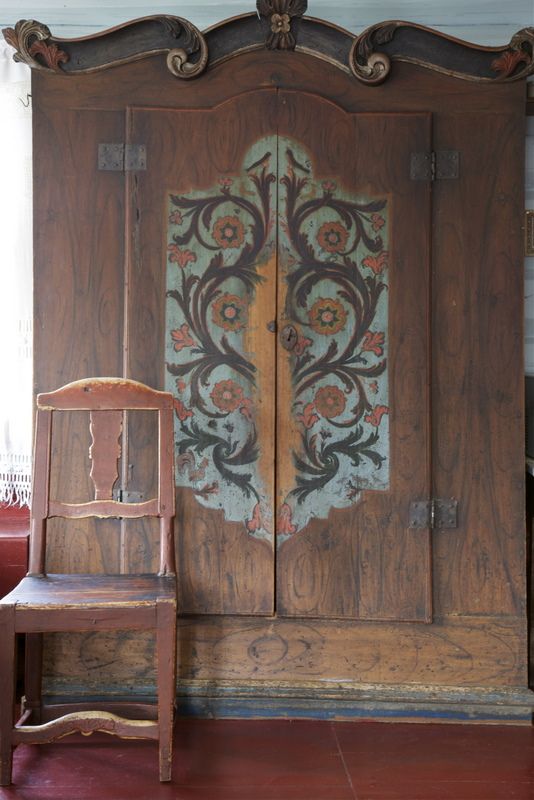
[[45, 602]]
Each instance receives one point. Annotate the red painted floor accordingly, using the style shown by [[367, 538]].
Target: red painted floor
[[287, 760]]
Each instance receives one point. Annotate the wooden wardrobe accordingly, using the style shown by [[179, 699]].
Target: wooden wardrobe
[[314, 240]]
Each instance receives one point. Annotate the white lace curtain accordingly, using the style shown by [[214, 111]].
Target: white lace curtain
[[15, 280]]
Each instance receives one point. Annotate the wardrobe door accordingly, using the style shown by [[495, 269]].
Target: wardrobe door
[[201, 311], [353, 446], [279, 287]]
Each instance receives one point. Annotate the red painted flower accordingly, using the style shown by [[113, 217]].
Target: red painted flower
[[179, 256], [373, 342], [330, 401], [327, 316], [373, 386], [225, 183], [377, 263], [257, 522], [285, 525], [181, 338], [200, 473], [246, 408], [176, 218], [329, 186], [229, 311], [377, 221], [182, 412], [185, 461], [302, 343], [332, 237], [308, 416], [374, 417], [227, 395], [228, 232]]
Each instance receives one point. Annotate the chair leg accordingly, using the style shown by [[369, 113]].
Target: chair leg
[[33, 672], [7, 691], [166, 684]]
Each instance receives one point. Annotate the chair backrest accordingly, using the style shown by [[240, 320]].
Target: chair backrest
[[106, 400]]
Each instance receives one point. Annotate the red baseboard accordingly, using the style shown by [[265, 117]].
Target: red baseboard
[[14, 536]]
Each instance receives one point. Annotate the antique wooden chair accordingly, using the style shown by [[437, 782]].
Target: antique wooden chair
[[50, 602]]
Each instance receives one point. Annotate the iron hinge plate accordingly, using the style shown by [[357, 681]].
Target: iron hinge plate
[[529, 233], [433, 514], [120, 157], [125, 496], [435, 165]]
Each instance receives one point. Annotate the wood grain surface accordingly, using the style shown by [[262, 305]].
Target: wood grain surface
[[78, 298], [222, 570], [468, 651], [364, 561]]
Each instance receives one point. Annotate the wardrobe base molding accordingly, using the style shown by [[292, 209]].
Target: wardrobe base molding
[[314, 700]]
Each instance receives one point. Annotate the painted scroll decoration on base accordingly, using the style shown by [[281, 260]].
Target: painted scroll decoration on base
[[333, 431]]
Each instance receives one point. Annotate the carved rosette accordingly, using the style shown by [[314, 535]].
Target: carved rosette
[[374, 50], [33, 45], [280, 15]]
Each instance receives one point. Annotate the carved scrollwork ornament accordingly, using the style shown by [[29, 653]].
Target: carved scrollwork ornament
[[279, 15], [374, 71], [521, 51], [36, 47], [373, 51], [370, 59], [366, 64], [31, 40], [178, 58], [178, 61]]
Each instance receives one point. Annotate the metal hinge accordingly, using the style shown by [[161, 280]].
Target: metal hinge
[[529, 233], [434, 514], [435, 165], [123, 496], [121, 157]]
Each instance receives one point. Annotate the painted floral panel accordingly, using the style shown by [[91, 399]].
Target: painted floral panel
[[219, 241], [333, 256], [332, 251]]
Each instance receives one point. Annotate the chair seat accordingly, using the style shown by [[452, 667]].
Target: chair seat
[[91, 591]]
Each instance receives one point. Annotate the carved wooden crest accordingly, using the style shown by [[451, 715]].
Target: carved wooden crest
[[278, 25]]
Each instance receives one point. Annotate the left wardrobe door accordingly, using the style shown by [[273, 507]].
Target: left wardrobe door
[[201, 302]]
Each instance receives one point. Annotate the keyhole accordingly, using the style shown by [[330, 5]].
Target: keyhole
[[288, 337]]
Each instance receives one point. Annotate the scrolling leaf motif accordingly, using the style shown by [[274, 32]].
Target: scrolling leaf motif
[[184, 44], [280, 15], [218, 242], [194, 43], [336, 268], [521, 51], [369, 66], [372, 53], [31, 39]]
